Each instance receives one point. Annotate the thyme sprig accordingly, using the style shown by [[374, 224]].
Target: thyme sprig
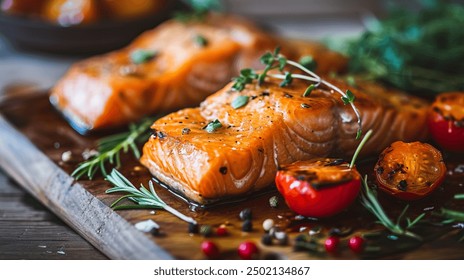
[[275, 60], [110, 148], [370, 202], [145, 199]]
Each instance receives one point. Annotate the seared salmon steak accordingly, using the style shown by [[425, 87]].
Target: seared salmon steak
[[219, 151], [173, 66]]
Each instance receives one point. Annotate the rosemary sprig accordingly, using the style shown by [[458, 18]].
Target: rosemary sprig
[[275, 60], [109, 150], [369, 201], [145, 199]]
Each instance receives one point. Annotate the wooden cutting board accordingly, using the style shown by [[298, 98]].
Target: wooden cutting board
[[33, 137]]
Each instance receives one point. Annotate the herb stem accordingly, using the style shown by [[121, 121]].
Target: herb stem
[[145, 199], [370, 202], [360, 146], [109, 149], [179, 215]]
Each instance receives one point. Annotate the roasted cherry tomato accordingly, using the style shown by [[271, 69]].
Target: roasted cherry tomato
[[446, 121], [410, 171], [320, 187]]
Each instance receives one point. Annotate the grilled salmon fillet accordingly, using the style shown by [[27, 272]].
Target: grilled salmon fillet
[[192, 60], [277, 126]]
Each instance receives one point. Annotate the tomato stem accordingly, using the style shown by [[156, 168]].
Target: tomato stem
[[358, 149]]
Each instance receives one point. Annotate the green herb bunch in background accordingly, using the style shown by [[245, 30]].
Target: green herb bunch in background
[[421, 51]]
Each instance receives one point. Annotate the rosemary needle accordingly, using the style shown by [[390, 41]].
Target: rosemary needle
[[145, 199], [370, 202], [109, 150]]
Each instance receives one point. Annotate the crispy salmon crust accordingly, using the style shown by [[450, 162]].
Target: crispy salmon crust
[[111, 90], [277, 126]]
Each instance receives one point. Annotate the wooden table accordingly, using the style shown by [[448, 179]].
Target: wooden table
[[27, 229]]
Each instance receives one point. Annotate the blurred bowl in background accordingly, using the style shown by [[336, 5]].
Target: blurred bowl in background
[[32, 33]]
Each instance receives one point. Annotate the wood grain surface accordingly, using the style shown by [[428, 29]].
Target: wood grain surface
[[34, 136], [29, 231]]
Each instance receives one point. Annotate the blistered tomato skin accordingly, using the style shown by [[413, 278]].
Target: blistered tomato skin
[[410, 171], [446, 121], [318, 188]]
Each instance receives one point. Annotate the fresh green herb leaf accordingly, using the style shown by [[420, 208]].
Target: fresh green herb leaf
[[349, 97], [282, 62], [200, 40], [213, 126], [369, 201], [287, 80], [145, 199], [110, 148], [267, 58], [350, 80], [276, 51], [204, 5], [240, 101], [308, 62], [140, 56], [199, 10], [358, 133], [246, 77], [247, 72], [309, 90]]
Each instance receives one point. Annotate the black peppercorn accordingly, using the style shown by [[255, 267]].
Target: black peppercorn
[[402, 185], [193, 228], [155, 231], [223, 170], [266, 239], [247, 226], [245, 214], [185, 131]]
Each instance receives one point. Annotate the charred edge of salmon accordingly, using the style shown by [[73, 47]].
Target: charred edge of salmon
[[212, 203], [77, 124]]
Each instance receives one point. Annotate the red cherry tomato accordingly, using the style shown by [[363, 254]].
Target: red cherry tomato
[[446, 121], [318, 188], [247, 250], [410, 171]]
